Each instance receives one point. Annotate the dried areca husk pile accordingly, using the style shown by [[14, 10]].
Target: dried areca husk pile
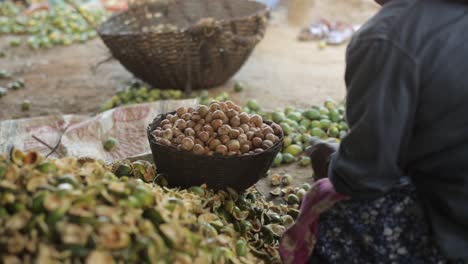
[[79, 210]]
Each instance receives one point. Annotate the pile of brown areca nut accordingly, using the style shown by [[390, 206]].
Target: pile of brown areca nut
[[218, 129]]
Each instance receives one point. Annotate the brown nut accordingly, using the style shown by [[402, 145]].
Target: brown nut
[[250, 144], [258, 133], [198, 128], [242, 139], [202, 110], [267, 130], [167, 126], [277, 129], [157, 133], [224, 139], [222, 149], [164, 122], [180, 124], [271, 137], [187, 144], [168, 134], [186, 116], [266, 144], [218, 114], [209, 129], [163, 141], [245, 127], [233, 145], [230, 104], [214, 143], [199, 142], [198, 149], [245, 148], [190, 110], [250, 135], [234, 133], [223, 106], [214, 106], [231, 113], [257, 142], [196, 117], [176, 132], [209, 117], [191, 124], [244, 118], [181, 111], [257, 120], [224, 130], [202, 122], [258, 150], [189, 132], [173, 119], [178, 139], [235, 121], [204, 136], [217, 123]]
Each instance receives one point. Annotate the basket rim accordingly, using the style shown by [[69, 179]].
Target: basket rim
[[263, 9], [214, 157]]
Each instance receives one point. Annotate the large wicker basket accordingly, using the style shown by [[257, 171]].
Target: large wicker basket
[[185, 169], [185, 44]]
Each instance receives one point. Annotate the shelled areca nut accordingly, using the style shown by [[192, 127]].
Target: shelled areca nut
[[217, 129]]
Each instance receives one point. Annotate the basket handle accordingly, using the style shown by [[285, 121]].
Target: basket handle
[[245, 41], [162, 4], [209, 27]]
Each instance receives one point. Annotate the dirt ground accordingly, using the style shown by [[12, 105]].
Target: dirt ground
[[280, 72]]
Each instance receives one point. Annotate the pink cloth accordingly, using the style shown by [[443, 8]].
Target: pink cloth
[[298, 242]]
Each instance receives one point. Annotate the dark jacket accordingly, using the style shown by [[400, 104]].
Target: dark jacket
[[407, 107]]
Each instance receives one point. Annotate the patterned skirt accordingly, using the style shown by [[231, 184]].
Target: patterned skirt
[[391, 229]]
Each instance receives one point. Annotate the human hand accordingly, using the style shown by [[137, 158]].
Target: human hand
[[319, 153]]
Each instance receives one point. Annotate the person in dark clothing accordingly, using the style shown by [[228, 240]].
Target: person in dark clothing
[[404, 163]]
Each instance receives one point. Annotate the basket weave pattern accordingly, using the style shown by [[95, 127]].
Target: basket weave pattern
[[185, 169], [185, 44]]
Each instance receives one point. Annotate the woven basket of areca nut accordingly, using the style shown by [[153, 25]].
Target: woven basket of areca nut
[[185, 44], [217, 144]]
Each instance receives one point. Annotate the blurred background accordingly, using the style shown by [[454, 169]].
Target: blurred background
[[78, 78]]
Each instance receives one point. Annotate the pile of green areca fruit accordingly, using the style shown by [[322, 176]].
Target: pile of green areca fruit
[[136, 92], [73, 210], [62, 25], [300, 125]]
